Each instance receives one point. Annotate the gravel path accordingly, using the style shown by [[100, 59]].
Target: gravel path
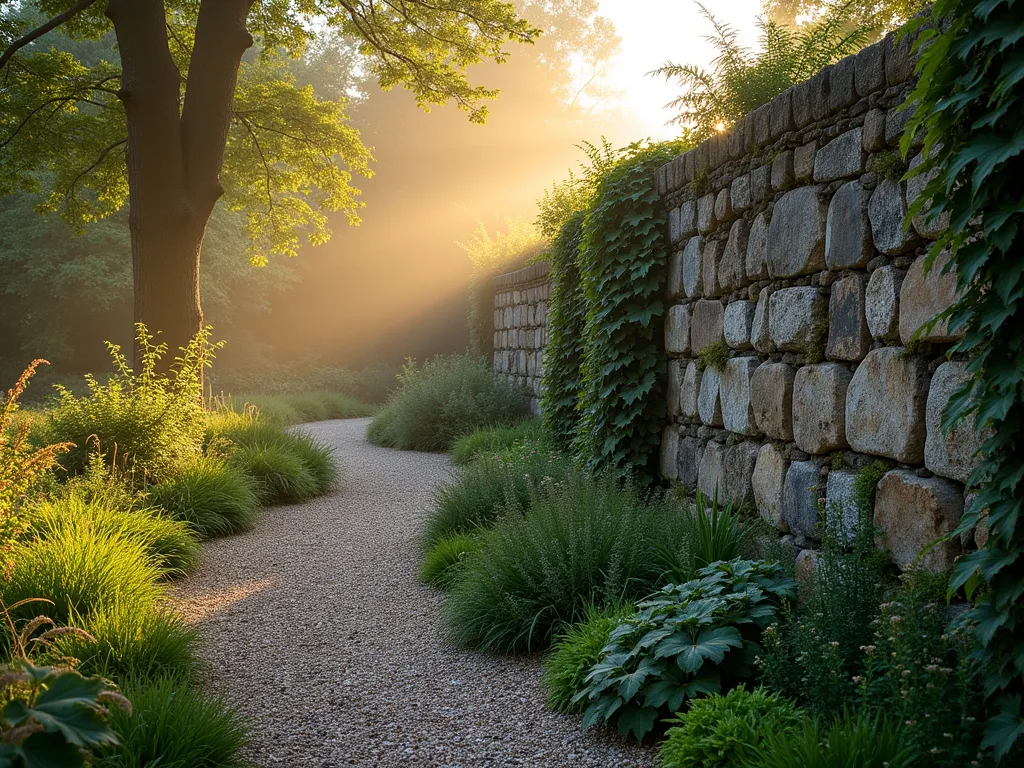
[[315, 627]]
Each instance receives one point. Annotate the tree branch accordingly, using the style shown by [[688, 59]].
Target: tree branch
[[39, 31]]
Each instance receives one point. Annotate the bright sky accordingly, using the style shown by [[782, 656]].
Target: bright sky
[[656, 31]]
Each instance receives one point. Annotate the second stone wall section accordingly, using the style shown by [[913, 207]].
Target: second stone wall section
[[521, 327]]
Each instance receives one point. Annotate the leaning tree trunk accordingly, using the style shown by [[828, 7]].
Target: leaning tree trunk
[[175, 152]]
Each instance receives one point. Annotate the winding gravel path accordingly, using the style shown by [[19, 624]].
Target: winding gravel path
[[315, 627]]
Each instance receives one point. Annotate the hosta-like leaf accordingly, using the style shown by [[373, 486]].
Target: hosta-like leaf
[[637, 720]]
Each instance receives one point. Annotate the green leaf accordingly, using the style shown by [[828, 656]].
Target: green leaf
[[637, 720]]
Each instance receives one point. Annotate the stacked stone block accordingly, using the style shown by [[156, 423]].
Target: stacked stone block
[[788, 250], [521, 327]]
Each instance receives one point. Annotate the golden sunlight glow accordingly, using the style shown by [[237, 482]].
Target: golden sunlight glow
[[720, 127]]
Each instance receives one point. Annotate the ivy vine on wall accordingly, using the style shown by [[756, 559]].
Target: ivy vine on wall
[[970, 109]]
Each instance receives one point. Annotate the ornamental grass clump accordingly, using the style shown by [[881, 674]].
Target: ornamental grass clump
[[211, 495], [688, 640], [579, 541], [491, 440], [445, 559], [443, 400], [287, 466]]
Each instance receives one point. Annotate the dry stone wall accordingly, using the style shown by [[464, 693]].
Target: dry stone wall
[[797, 353], [520, 327]]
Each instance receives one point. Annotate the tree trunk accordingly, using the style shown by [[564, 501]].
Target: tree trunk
[[175, 153]]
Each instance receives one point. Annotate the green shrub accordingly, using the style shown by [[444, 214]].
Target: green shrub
[[445, 559], [481, 489], [445, 399], [146, 421], [579, 541], [169, 542], [689, 639], [491, 440], [212, 495], [81, 570], [576, 650], [719, 731], [173, 725], [132, 643], [848, 742]]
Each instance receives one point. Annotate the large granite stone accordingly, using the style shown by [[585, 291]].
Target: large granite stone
[[689, 390], [926, 224], [756, 264], [923, 297], [848, 241], [796, 234], [840, 158], [870, 70], [675, 385], [706, 325], [693, 276], [669, 452], [887, 210], [771, 398], [819, 407], [913, 512], [800, 497], [740, 193], [738, 470], [677, 330], [954, 455], [710, 261], [731, 273], [848, 336], [767, 483], [780, 115], [802, 111], [759, 183], [760, 333], [842, 89], [706, 213], [782, 171], [885, 405], [688, 218], [842, 516], [739, 316], [688, 459], [723, 206], [882, 303], [709, 402], [795, 317], [803, 161], [874, 131], [737, 414], [712, 467], [675, 274], [674, 233]]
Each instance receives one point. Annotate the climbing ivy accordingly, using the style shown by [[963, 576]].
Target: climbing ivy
[[622, 261], [564, 351], [970, 111]]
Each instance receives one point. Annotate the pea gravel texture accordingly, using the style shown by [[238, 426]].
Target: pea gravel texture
[[315, 627]]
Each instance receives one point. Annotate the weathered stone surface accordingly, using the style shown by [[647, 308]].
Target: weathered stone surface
[[899, 59], [669, 452], [693, 276], [738, 468], [710, 260], [759, 179], [848, 240], [730, 269], [887, 210], [762, 125], [706, 213], [803, 161], [739, 315], [923, 297], [677, 330], [688, 218], [848, 336], [870, 70], [805, 569], [712, 466], [780, 116], [709, 402], [706, 325], [842, 89], [737, 413], [760, 333], [802, 114], [723, 206], [927, 226], [689, 389], [782, 171], [911, 512], [882, 302], [820, 85], [841, 512], [795, 318], [800, 497], [674, 389], [767, 483], [674, 234], [756, 263], [819, 407], [675, 274], [896, 120], [688, 459], [885, 405], [954, 456], [796, 234], [771, 398], [740, 192], [874, 131], [841, 157]]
